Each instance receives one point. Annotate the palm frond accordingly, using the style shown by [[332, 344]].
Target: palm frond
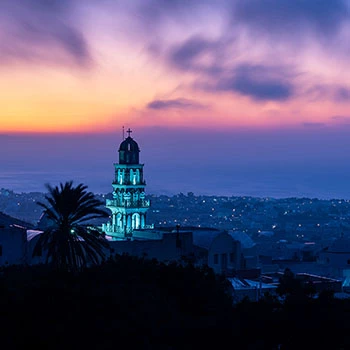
[[67, 242]]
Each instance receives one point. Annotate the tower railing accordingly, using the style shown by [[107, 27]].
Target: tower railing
[[140, 203], [129, 183], [114, 230]]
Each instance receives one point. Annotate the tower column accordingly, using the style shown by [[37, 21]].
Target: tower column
[[128, 225], [124, 220]]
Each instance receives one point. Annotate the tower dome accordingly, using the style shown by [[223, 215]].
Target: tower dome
[[129, 151]]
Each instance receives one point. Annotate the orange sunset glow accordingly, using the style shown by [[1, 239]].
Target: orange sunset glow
[[74, 71]]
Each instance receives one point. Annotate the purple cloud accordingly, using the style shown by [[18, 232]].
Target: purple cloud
[[154, 12], [186, 56], [258, 82], [337, 93], [343, 119], [32, 30], [342, 94], [180, 103], [292, 17], [313, 125]]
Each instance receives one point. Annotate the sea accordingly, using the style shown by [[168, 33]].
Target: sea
[[238, 184], [311, 164]]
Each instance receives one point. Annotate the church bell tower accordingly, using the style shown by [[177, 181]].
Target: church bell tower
[[128, 205]]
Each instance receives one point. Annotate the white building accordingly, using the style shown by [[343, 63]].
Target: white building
[[224, 254]]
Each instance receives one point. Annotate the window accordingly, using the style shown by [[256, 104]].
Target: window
[[216, 258], [232, 257]]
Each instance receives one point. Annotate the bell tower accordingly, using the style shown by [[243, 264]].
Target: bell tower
[[128, 205]]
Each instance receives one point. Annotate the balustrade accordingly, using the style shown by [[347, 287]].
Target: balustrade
[[129, 183], [141, 203]]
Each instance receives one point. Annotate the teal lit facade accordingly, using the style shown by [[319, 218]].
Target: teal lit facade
[[129, 205]]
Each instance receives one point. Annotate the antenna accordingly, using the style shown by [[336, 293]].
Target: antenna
[[123, 134]]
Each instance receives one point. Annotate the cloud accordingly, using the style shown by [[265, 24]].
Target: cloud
[[259, 90], [342, 94], [186, 53], [266, 30], [36, 30], [180, 103], [292, 17], [205, 58], [154, 12], [341, 119], [296, 20], [313, 124], [337, 93], [198, 55], [257, 81]]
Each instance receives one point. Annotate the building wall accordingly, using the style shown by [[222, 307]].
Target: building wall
[[224, 254], [17, 245], [170, 247], [12, 245], [337, 260]]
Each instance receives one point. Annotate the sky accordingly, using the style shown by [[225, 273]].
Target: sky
[[226, 96]]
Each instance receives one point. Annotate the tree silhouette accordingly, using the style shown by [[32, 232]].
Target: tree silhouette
[[289, 284], [68, 242]]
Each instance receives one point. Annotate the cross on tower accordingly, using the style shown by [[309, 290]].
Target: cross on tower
[[129, 132]]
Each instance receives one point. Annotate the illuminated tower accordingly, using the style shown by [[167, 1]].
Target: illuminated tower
[[128, 205]]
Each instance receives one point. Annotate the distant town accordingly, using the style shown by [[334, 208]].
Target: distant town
[[263, 219], [252, 241]]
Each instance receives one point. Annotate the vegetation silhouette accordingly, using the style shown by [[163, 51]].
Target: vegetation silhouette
[[147, 304], [68, 243]]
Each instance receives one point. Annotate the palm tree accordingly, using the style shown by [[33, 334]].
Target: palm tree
[[68, 242]]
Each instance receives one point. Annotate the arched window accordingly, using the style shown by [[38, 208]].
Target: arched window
[[136, 221], [119, 220], [120, 177]]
